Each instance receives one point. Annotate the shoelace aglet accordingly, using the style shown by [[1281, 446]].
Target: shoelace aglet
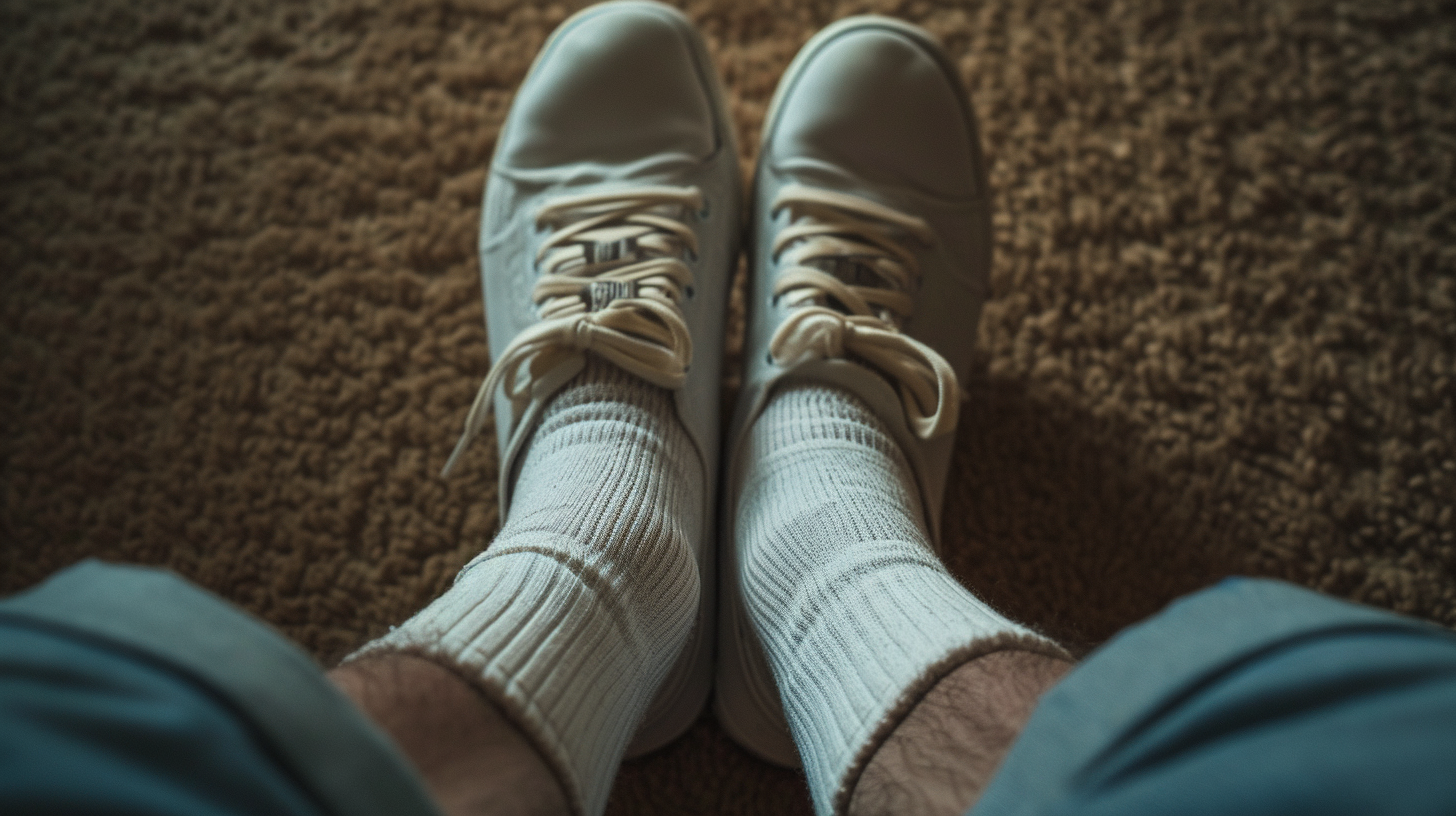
[[460, 445], [473, 421]]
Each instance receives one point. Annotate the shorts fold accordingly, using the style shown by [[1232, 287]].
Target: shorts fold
[[1251, 697], [139, 677]]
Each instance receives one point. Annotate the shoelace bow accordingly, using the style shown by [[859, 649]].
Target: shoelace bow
[[613, 278], [832, 318]]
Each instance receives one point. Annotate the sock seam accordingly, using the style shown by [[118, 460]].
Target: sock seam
[[592, 579]]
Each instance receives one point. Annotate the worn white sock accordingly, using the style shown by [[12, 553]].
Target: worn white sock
[[575, 613], [857, 615]]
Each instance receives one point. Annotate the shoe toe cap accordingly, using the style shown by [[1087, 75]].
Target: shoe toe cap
[[618, 83], [876, 102]]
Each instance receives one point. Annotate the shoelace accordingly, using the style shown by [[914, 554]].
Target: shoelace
[[832, 318], [613, 278]]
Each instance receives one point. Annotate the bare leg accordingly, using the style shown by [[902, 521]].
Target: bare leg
[[473, 760], [942, 755]]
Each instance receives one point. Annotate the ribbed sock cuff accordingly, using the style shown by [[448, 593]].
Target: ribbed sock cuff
[[574, 615], [550, 645], [857, 615]]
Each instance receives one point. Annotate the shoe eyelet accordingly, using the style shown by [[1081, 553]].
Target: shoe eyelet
[[688, 293], [706, 208], [768, 357]]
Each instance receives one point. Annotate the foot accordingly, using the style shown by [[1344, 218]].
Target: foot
[[871, 244], [610, 228]]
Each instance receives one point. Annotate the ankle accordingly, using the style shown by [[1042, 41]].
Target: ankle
[[856, 614], [575, 614], [471, 757], [941, 756]]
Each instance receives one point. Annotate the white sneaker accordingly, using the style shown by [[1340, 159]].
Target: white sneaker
[[870, 254], [611, 225]]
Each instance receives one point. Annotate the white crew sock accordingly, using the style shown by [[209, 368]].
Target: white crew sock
[[857, 615], [575, 613]]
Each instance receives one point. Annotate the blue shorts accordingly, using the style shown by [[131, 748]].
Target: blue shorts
[[125, 689], [129, 690], [1251, 697]]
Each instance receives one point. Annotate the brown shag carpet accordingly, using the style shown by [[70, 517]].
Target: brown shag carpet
[[240, 320]]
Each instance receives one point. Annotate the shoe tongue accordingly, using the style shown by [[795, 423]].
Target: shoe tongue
[[609, 247], [848, 270], [600, 294], [853, 272], [596, 252], [618, 244]]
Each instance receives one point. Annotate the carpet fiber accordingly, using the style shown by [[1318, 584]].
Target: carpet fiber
[[240, 320]]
